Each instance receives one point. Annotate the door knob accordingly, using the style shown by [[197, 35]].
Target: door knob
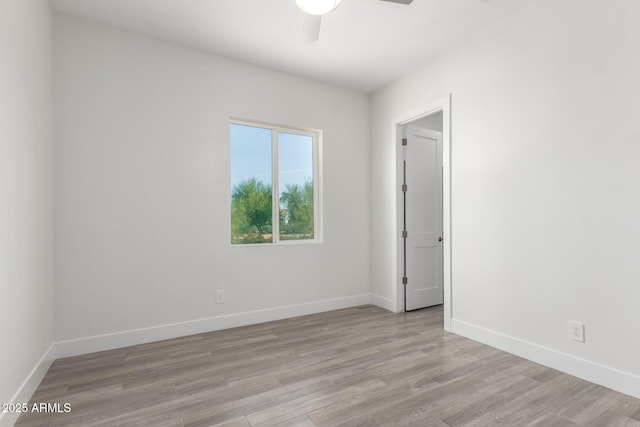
[[439, 238]]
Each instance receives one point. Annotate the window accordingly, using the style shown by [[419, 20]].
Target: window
[[274, 184]]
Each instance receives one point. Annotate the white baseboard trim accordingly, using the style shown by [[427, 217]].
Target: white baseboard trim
[[606, 376], [382, 302], [28, 386], [97, 343]]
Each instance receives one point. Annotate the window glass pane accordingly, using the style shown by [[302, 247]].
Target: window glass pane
[[251, 183], [295, 182]]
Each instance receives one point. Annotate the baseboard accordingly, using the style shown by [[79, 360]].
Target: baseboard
[[97, 343], [29, 386], [383, 302], [606, 376]]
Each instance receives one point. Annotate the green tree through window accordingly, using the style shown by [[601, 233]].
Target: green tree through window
[[251, 212], [297, 201]]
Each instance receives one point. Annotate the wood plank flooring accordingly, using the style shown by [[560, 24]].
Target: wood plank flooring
[[361, 367]]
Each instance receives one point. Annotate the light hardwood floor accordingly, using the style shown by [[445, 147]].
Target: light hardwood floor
[[356, 367]]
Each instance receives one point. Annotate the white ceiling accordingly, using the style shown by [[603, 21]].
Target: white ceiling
[[364, 44]]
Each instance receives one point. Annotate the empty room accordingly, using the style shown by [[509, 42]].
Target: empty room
[[319, 213]]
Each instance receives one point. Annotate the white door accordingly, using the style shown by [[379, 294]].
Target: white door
[[423, 223]]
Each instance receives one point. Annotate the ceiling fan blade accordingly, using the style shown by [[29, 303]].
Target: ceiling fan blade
[[400, 1], [311, 27]]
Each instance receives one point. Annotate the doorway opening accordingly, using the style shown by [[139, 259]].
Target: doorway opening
[[424, 209]]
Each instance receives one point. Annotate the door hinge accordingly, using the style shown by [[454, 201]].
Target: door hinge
[[404, 188], [404, 141], [404, 234], [405, 280]]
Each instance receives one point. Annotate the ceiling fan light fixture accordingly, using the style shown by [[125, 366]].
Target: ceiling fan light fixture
[[317, 7]]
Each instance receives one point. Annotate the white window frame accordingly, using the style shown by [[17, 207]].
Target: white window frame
[[316, 136]]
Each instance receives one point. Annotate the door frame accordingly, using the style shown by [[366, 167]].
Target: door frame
[[442, 104]]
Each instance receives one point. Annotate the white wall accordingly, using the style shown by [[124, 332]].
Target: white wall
[[545, 173], [432, 122], [26, 259], [142, 185]]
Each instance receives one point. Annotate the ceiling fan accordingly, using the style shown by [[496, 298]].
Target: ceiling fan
[[314, 9]]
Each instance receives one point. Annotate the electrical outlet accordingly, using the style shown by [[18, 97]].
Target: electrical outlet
[[220, 297], [576, 331]]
